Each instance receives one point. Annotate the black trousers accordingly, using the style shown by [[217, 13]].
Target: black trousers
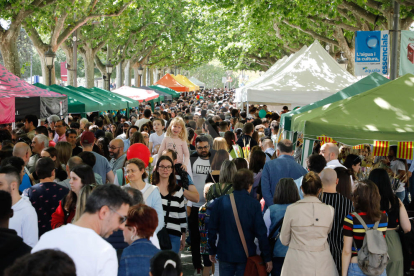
[[195, 237]]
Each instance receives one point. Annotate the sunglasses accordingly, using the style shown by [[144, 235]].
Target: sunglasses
[[122, 218]]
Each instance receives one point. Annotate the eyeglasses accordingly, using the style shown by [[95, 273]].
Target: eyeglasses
[[58, 126], [122, 218], [203, 148], [113, 148], [167, 168]]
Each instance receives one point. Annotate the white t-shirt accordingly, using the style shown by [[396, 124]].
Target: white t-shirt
[[155, 139], [91, 254], [24, 221], [201, 168], [397, 165]]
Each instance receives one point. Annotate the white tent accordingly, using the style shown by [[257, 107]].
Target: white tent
[[197, 82], [271, 73], [309, 77]]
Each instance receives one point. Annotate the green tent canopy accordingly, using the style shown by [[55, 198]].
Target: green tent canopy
[[130, 102], [74, 103], [113, 105], [91, 104], [384, 113], [167, 90], [360, 86]]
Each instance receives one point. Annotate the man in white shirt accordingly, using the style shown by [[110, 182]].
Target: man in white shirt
[[105, 212], [24, 220], [331, 152]]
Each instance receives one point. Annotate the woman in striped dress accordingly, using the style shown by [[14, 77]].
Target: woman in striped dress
[[172, 197]]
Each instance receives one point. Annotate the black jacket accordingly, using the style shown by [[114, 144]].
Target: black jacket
[[11, 248], [246, 139]]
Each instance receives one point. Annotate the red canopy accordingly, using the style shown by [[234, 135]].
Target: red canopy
[[32, 99], [170, 82], [136, 93]]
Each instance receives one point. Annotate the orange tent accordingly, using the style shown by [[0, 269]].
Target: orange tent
[[170, 82]]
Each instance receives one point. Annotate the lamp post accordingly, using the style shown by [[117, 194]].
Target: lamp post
[[343, 62], [109, 68], [140, 71], [50, 57]]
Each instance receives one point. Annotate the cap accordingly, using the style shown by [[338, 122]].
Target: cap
[[128, 123], [87, 137]]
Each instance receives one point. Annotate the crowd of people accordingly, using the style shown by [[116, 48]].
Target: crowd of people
[[221, 183]]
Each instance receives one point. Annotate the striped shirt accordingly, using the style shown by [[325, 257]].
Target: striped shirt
[[176, 222], [353, 228], [343, 206]]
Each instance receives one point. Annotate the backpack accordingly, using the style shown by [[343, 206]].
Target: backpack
[[372, 257]]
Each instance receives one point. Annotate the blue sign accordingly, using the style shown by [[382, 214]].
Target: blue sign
[[371, 52]]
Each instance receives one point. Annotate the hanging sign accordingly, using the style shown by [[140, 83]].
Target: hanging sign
[[371, 52], [407, 53], [405, 150]]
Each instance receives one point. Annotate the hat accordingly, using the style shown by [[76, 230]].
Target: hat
[[87, 137], [128, 123], [99, 133]]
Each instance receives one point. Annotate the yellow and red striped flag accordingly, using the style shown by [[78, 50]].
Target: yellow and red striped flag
[[381, 148], [358, 147], [324, 139], [405, 150]]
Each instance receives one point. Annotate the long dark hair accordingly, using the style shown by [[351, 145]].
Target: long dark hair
[[257, 161], [344, 186], [382, 180], [352, 160], [230, 139], [366, 198], [172, 182], [87, 176]]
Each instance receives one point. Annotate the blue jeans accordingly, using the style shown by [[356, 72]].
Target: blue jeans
[[354, 270], [175, 242], [231, 269], [400, 195]]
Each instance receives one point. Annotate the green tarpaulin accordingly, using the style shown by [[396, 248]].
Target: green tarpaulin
[[90, 103], [167, 90], [74, 104], [383, 113], [113, 105], [365, 84]]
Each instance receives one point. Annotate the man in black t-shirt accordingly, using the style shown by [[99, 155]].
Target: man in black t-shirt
[[71, 136]]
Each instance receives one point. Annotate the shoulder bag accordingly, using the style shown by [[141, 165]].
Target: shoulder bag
[[272, 240], [163, 236], [255, 265]]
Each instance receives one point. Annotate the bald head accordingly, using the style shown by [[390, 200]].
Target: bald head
[[116, 148], [117, 143], [73, 162], [330, 151], [328, 178], [23, 151]]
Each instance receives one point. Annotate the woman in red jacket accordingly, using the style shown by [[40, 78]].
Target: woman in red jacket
[[80, 176]]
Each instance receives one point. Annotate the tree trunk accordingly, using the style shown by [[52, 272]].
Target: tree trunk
[[136, 77], [144, 77], [45, 70], [9, 52], [151, 76], [69, 60], [128, 73], [88, 59], [119, 79]]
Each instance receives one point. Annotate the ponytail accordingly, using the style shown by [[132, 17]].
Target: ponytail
[[170, 268]]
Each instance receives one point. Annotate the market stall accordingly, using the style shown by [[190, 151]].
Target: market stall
[[172, 83], [167, 90], [166, 96], [186, 82], [201, 84], [137, 94], [19, 98]]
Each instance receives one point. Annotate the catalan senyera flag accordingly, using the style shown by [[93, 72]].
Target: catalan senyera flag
[[405, 150], [381, 148], [358, 147], [324, 139]]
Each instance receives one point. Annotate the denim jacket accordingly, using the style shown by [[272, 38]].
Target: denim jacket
[[277, 212], [135, 260]]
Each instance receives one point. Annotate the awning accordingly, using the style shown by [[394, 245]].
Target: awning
[[170, 82], [136, 93]]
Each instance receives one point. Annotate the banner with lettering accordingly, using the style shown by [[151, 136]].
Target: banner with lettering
[[372, 52], [407, 53]]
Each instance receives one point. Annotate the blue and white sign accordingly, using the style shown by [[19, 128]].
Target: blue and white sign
[[372, 52]]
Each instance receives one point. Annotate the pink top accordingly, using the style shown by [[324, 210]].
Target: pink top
[[177, 145]]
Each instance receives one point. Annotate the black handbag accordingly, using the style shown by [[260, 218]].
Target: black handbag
[[163, 236], [272, 240]]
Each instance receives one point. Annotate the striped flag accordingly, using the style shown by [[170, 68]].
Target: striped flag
[[405, 150], [324, 139], [381, 148], [358, 147]]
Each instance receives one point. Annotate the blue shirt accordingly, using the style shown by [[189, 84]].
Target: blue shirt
[[135, 260], [222, 222], [270, 151], [284, 166], [25, 183], [277, 212], [298, 183], [102, 166]]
